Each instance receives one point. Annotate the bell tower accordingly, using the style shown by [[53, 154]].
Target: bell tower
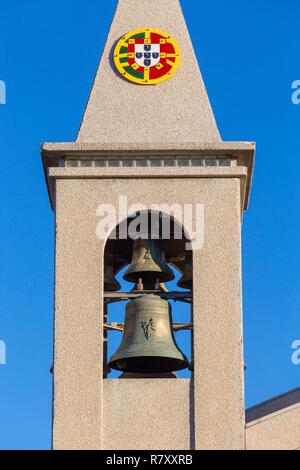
[[148, 137]]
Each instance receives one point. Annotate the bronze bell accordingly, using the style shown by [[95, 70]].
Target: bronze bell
[[148, 263], [110, 282], [186, 281], [148, 345]]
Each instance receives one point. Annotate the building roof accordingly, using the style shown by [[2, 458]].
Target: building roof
[[273, 405]]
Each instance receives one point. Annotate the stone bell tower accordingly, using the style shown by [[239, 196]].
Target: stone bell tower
[[148, 133]]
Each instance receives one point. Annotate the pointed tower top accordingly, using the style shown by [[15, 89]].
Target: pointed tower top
[[176, 110]]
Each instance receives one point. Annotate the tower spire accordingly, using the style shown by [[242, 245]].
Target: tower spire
[[177, 110]]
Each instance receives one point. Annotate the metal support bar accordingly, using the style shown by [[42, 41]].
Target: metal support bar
[[110, 297], [120, 326]]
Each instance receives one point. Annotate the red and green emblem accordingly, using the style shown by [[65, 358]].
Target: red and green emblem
[[147, 56]]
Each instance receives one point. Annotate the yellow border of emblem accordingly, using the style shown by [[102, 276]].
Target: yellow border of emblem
[[123, 42]]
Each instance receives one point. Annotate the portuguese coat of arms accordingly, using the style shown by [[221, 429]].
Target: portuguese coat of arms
[[147, 56]]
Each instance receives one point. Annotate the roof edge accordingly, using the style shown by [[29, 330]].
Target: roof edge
[[273, 405]]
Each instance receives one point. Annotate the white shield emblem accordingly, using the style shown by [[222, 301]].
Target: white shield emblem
[[147, 55]]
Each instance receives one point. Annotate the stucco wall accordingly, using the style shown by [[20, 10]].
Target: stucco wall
[[83, 410], [148, 414], [278, 431]]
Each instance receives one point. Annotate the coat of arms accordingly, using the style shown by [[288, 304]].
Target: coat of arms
[[147, 56]]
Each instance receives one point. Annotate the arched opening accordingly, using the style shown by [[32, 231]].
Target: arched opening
[[148, 280]]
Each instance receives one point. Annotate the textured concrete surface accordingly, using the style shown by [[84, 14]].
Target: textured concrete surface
[[144, 147], [141, 173], [146, 173], [120, 111], [217, 401], [278, 431], [218, 348], [242, 151], [78, 347], [147, 414]]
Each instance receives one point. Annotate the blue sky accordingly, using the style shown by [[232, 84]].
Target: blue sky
[[249, 56]]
